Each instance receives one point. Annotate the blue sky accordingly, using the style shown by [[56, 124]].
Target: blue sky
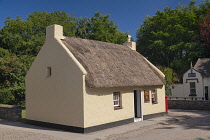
[[127, 14]]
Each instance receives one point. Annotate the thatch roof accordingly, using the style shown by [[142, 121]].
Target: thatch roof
[[203, 66], [112, 65]]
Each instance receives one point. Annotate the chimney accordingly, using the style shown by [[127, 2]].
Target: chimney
[[54, 31], [130, 44]]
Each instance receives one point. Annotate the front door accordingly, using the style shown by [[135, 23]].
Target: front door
[[138, 104], [206, 93]]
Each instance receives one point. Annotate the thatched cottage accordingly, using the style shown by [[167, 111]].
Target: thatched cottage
[[196, 82], [84, 85]]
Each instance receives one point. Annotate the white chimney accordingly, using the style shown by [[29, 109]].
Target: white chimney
[[130, 44], [54, 31]]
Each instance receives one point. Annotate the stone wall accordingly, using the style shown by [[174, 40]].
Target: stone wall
[[9, 112], [189, 104]]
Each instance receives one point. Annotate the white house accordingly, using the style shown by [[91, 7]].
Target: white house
[[196, 81]]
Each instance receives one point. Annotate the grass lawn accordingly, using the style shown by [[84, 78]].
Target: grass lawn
[[23, 114]]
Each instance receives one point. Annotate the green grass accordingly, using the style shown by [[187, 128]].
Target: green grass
[[23, 114]]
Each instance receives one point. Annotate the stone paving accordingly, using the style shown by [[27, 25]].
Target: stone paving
[[12, 134]]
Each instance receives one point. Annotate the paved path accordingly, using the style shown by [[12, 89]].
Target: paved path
[[187, 125], [177, 125]]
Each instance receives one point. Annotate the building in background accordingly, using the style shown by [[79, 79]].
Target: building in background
[[196, 82]]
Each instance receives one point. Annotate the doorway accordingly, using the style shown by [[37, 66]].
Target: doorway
[[138, 106], [206, 93]]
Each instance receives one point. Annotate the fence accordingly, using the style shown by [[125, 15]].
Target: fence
[[189, 104], [188, 98], [10, 112]]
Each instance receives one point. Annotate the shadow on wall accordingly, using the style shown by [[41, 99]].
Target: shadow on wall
[[107, 91]]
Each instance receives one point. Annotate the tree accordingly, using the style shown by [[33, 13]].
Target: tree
[[11, 79], [167, 39], [170, 77], [99, 27], [204, 38], [26, 37], [21, 40]]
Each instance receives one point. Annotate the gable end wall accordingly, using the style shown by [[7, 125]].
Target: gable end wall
[[59, 98]]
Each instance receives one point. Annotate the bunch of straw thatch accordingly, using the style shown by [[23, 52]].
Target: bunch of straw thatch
[[112, 65]]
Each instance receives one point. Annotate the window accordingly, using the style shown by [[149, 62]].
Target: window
[[49, 71], [154, 96], [116, 99], [192, 89], [146, 96]]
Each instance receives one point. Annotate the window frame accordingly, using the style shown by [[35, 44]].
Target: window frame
[[154, 96], [117, 100], [192, 88]]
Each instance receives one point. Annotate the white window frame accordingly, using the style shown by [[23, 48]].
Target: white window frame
[[192, 88], [154, 96], [116, 99]]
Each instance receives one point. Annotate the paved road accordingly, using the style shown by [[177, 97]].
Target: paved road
[[188, 125], [184, 125]]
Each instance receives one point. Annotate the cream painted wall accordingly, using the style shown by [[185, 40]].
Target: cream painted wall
[[177, 91], [99, 109], [149, 108], [58, 98], [98, 105]]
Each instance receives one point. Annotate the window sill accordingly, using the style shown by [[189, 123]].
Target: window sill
[[154, 102], [116, 108]]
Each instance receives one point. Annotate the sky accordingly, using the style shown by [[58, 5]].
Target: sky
[[127, 14]]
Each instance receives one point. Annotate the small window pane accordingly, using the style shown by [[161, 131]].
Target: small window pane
[[49, 71], [192, 88], [116, 99]]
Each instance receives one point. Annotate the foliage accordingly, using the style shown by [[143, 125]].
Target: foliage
[[170, 76], [204, 25], [21, 40], [99, 27], [26, 37], [171, 38], [11, 79]]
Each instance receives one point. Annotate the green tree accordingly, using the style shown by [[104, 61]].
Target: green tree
[[21, 40], [170, 77], [26, 37], [169, 38], [99, 27], [11, 79]]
